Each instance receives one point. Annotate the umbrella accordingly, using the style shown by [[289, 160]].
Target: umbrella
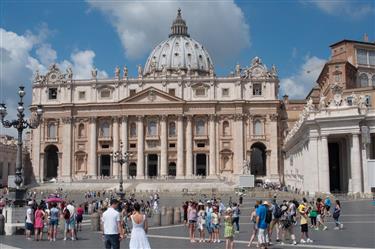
[[54, 199]]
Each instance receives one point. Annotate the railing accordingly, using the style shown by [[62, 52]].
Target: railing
[[103, 138], [52, 139], [258, 137]]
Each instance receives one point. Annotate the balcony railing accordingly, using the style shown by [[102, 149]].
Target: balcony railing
[[104, 138], [52, 139], [258, 137]]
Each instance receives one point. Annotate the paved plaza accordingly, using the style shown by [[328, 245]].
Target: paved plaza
[[358, 218]]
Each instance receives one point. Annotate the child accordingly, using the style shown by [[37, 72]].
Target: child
[[228, 229]]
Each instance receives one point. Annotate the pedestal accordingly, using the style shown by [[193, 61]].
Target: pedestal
[[18, 195]]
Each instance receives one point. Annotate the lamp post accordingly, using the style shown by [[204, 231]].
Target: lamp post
[[121, 158], [20, 124]]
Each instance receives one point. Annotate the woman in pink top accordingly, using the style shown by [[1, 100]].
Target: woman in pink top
[[39, 223], [79, 217], [192, 217]]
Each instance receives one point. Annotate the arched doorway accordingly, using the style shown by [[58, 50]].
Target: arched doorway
[[201, 165], [172, 169], [152, 165], [51, 161], [258, 159], [133, 169]]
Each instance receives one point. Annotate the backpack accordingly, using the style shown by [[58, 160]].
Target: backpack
[[278, 212], [66, 214], [269, 216]]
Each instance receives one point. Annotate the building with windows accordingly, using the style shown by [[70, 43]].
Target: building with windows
[[176, 118], [330, 148]]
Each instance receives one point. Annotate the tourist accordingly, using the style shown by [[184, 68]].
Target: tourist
[[69, 216], [29, 220], [138, 239], [228, 229], [54, 221], [276, 214], [336, 216], [236, 216], [112, 230], [327, 205], [215, 220], [303, 210], [320, 216], [201, 222], [47, 220], [79, 217], [261, 223], [313, 214], [221, 207], [192, 217], [287, 223], [210, 229], [253, 221], [185, 206], [39, 224]]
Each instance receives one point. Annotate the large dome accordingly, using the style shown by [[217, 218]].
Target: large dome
[[178, 53]]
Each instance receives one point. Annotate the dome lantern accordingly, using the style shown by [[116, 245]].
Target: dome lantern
[[179, 26]]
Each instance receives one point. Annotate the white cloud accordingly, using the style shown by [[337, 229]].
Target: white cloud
[[220, 26], [17, 65], [299, 85], [355, 9]]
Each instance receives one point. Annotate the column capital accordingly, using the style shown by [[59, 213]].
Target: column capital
[[238, 117], [124, 118], [189, 117], [212, 117], [67, 120], [180, 117], [163, 117], [140, 117], [92, 119], [115, 119]]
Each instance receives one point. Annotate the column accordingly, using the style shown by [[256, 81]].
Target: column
[[140, 149], [189, 147], [180, 147], [324, 166], [66, 167], [238, 144], [355, 165], [212, 141], [124, 140], [366, 187], [116, 143], [311, 173], [37, 158], [163, 146], [42, 166], [93, 165]]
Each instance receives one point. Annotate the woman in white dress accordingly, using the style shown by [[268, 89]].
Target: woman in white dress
[[138, 239]]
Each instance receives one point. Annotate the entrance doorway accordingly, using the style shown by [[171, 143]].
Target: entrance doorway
[[172, 169], [105, 165], [52, 161], [339, 161], [152, 165], [133, 169], [258, 159], [201, 165]]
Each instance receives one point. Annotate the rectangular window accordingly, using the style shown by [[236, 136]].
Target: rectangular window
[[361, 56], [132, 92], [201, 91], [172, 145], [257, 89], [82, 95], [201, 145], [371, 55], [225, 92], [349, 100], [133, 146], [105, 93], [52, 93], [172, 91], [105, 146]]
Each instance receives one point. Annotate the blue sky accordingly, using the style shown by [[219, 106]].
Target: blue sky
[[293, 35]]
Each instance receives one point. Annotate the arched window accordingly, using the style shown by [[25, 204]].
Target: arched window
[[152, 128], [226, 130], [199, 127], [104, 129], [373, 80], [133, 130], [363, 80], [52, 131], [258, 127], [81, 131], [172, 129]]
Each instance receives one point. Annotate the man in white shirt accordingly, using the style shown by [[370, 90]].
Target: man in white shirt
[[29, 220], [112, 228], [71, 222]]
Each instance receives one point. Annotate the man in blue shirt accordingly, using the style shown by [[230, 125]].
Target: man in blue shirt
[[327, 205], [261, 213]]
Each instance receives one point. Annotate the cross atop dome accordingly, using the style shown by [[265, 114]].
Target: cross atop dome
[[179, 26]]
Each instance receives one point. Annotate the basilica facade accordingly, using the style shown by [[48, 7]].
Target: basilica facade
[[176, 118]]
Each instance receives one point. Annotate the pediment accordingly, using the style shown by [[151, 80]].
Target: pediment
[[151, 95]]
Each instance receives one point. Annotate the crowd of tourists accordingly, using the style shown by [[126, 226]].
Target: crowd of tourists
[[207, 217]]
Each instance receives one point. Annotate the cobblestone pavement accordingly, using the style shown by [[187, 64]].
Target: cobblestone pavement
[[358, 218]]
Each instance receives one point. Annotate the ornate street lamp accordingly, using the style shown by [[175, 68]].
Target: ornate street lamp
[[20, 124], [121, 158]]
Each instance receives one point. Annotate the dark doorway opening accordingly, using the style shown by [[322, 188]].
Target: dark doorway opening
[[52, 161], [334, 167], [172, 169], [105, 165], [152, 163], [258, 159], [133, 169], [201, 167]]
